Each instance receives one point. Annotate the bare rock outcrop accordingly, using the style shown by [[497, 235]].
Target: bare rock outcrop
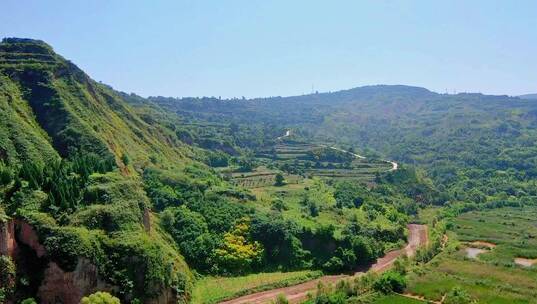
[[59, 286], [8, 245]]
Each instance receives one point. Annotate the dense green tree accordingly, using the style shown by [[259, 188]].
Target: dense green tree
[[280, 242], [349, 195], [279, 180]]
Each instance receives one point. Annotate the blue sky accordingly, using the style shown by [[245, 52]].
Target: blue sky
[[267, 48]]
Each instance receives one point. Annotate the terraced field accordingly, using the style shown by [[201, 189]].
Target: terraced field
[[298, 158], [261, 177]]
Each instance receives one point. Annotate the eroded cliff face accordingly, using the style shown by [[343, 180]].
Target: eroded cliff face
[[57, 285], [8, 245], [28, 236]]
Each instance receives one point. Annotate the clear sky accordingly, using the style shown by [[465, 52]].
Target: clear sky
[[267, 48]]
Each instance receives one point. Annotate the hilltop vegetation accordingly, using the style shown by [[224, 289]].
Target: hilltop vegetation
[[475, 147], [528, 96]]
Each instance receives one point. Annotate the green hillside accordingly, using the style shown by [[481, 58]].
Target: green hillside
[[95, 181], [147, 197], [77, 113], [473, 152], [71, 156], [455, 137]]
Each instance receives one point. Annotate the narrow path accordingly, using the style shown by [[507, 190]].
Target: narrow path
[[395, 165], [287, 134], [297, 293]]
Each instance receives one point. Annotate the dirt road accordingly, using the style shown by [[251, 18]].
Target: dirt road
[[395, 165], [417, 237], [287, 134]]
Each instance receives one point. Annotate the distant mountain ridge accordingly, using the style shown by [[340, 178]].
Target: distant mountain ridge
[[392, 119], [528, 96]]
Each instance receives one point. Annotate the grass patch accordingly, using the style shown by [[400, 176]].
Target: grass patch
[[216, 289], [492, 277], [513, 230], [396, 299]]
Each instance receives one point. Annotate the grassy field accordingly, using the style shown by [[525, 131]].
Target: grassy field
[[513, 230], [216, 289], [396, 299], [292, 195], [492, 277]]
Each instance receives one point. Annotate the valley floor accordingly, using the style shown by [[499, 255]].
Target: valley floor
[[484, 258], [417, 237]]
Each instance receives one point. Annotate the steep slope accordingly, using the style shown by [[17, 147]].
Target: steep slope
[[21, 137], [75, 215], [77, 113]]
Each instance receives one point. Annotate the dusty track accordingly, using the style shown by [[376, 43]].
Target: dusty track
[[395, 165], [417, 237]]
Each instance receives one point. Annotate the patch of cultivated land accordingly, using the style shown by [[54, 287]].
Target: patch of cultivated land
[[360, 169], [492, 276]]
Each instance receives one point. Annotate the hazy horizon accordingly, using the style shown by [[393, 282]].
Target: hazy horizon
[[259, 49]]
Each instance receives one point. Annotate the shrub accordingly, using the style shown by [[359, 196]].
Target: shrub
[[125, 159], [100, 297], [390, 281], [457, 295], [279, 205], [334, 264], [279, 180], [281, 299], [7, 275]]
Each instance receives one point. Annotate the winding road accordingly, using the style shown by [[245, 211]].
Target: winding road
[[417, 237], [287, 134], [395, 166]]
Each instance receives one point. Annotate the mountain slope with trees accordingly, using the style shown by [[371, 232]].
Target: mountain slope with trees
[[456, 138], [94, 181], [71, 156]]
